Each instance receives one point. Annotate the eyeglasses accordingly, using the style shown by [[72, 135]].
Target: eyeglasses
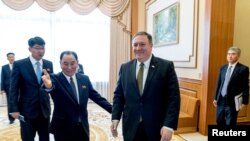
[[38, 48]]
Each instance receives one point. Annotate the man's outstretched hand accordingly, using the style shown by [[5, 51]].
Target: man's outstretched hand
[[46, 79]]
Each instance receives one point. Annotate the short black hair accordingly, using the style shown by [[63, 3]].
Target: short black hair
[[36, 40], [68, 53], [10, 53]]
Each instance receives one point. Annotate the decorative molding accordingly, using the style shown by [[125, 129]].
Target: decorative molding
[[190, 87], [183, 54], [193, 87], [148, 3]]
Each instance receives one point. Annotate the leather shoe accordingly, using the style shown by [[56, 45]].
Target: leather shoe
[[11, 122]]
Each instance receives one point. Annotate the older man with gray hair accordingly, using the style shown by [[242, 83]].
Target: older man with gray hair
[[232, 82]]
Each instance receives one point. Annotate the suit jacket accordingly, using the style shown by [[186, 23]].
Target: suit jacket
[[5, 78], [238, 83], [159, 104], [26, 96], [80, 70], [67, 111]]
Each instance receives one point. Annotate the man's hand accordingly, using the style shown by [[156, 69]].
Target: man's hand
[[242, 106], [15, 115], [215, 103], [166, 134], [2, 92], [113, 127], [46, 79]]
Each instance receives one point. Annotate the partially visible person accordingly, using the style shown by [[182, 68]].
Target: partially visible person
[[226, 90], [147, 95], [80, 69], [26, 98], [70, 92], [5, 81]]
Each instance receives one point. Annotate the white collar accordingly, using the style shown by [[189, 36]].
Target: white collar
[[33, 61], [146, 63], [68, 77]]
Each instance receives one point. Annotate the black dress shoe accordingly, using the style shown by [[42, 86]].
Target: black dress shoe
[[11, 122]]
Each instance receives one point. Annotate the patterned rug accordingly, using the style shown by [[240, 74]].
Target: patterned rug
[[99, 120]]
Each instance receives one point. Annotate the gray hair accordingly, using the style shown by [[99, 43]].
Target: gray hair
[[236, 49]]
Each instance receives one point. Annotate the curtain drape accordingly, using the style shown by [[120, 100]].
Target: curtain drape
[[110, 8], [118, 10]]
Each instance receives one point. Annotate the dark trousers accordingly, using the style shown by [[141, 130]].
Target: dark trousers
[[72, 133], [226, 114], [31, 126], [141, 133], [8, 108]]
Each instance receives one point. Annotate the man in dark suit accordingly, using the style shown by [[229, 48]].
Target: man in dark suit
[[148, 101], [70, 92], [5, 81], [226, 90], [26, 98], [80, 69]]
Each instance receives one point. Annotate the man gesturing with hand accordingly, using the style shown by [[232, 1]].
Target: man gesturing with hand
[[70, 92]]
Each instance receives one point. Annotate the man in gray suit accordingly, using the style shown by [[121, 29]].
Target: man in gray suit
[[5, 81], [147, 95]]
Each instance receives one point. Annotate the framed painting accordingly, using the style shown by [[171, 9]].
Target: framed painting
[[165, 26]]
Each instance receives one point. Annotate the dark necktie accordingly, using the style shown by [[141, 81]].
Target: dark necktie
[[225, 84], [38, 72], [140, 78], [73, 86]]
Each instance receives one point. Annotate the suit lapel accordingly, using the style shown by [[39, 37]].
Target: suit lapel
[[46, 66], [224, 71], [151, 71], [134, 81], [30, 69], [8, 68], [236, 69], [80, 88]]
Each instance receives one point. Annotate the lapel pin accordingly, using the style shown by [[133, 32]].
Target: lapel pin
[[153, 66], [84, 87]]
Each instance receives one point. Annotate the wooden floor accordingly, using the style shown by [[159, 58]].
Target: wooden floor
[[99, 128]]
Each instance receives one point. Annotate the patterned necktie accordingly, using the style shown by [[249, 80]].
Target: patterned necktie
[[38, 72], [225, 84], [73, 86], [140, 78]]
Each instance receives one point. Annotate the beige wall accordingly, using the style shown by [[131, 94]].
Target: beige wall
[[242, 29], [241, 34], [196, 73]]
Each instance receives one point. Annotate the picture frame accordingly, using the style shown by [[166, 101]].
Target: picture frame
[[166, 26]]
